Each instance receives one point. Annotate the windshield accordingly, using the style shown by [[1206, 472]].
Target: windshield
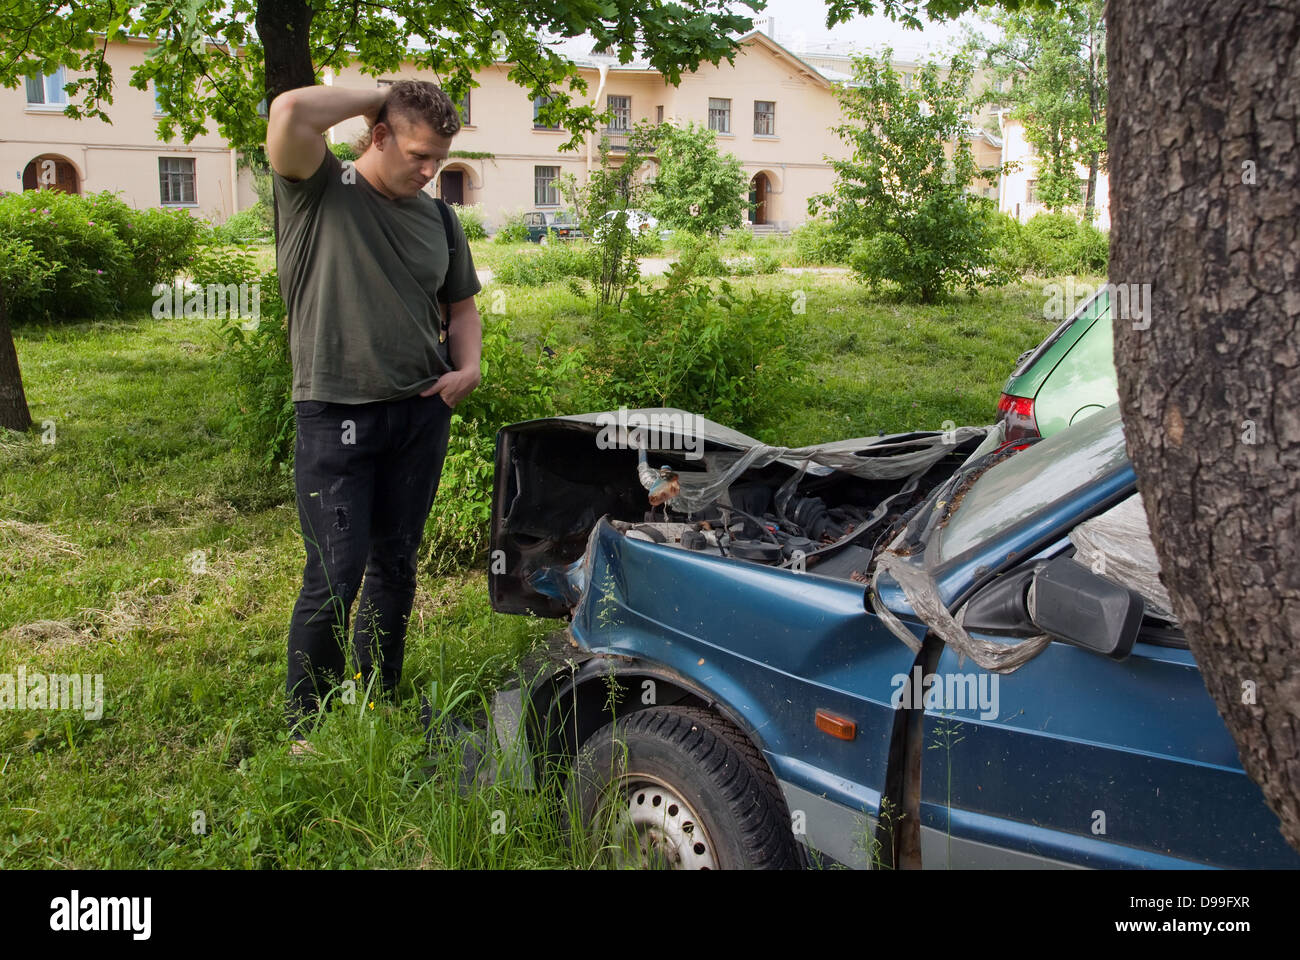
[[1017, 488]]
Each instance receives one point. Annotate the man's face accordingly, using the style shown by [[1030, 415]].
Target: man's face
[[409, 154]]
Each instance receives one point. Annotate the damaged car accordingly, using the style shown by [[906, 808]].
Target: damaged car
[[938, 649]]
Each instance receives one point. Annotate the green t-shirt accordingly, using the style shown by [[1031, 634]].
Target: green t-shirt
[[359, 274]]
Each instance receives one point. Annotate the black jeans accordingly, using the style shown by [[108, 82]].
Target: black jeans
[[365, 475]]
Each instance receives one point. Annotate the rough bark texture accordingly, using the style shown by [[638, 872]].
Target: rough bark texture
[[1205, 96], [284, 27], [13, 399]]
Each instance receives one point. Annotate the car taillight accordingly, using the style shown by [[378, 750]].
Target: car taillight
[[1018, 414]]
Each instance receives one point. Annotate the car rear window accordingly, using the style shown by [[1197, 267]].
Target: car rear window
[[1017, 488], [1086, 312]]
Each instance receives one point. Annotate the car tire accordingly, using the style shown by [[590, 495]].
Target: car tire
[[680, 788]]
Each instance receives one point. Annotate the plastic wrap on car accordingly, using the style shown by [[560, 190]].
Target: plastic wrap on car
[[1117, 545], [723, 468]]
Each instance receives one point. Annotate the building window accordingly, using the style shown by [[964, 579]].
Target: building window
[[262, 110], [1031, 191], [764, 118], [157, 101], [176, 179], [47, 89], [621, 108], [385, 83], [544, 190], [462, 105], [719, 115], [659, 114], [538, 103]]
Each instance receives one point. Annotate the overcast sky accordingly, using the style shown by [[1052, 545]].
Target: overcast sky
[[806, 20]]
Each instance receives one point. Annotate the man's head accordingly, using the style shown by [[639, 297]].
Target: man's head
[[410, 137]]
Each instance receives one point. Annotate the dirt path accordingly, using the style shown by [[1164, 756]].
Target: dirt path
[[656, 266]]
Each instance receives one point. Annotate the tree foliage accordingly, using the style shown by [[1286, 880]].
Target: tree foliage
[[901, 197], [1050, 67], [697, 189]]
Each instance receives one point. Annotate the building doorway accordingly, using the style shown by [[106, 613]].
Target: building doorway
[[452, 187], [758, 188], [51, 172]]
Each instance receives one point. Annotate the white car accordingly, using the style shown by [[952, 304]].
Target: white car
[[637, 220]]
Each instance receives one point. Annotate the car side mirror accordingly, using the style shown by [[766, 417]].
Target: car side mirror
[[1069, 601]]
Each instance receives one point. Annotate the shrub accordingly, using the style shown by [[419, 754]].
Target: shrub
[[245, 226], [728, 357], [513, 230], [24, 273], [521, 381], [548, 264], [740, 239], [1053, 244], [94, 264], [108, 255], [344, 151], [471, 221], [818, 242], [258, 354]]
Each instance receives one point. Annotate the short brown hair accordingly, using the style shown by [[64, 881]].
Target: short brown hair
[[418, 101]]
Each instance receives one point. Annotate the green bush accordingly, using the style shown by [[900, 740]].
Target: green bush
[[471, 221], [740, 239], [24, 273], [257, 351], [94, 263], [245, 226], [1055, 244], [554, 261], [108, 256], [731, 358], [521, 381], [819, 242], [513, 229], [344, 151]]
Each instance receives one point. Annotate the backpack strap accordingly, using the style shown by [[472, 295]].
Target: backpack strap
[[445, 319]]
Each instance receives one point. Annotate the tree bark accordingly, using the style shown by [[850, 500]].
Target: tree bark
[[284, 27], [1205, 207], [14, 413]]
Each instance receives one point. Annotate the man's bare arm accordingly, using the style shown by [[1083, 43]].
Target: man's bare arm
[[466, 334], [295, 130]]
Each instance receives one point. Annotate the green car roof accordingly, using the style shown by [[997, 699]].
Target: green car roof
[[1072, 372]]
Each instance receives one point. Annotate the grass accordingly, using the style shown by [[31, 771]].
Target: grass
[[141, 544]]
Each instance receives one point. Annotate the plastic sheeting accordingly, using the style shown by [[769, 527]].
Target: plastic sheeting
[[722, 468], [1117, 545], [923, 596]]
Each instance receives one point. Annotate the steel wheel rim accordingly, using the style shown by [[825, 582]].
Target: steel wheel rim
[[659, 828]]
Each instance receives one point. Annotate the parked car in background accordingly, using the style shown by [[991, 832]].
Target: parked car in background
[[638, 221], [1067, 377], [761, 670], [544, 224]]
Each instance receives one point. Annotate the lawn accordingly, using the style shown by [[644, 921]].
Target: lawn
[[142, 544]]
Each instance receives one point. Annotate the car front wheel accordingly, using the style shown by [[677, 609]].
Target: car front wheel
[[680, 788]]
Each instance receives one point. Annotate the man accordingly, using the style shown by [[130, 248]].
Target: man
[[362, 253]]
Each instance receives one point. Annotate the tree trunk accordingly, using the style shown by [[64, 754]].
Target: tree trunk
[[1090, 198], [1205, 207], [13, 399], [284, 27]]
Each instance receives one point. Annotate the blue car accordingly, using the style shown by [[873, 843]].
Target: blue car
[[931, 649]]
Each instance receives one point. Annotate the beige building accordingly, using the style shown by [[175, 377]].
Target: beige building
[[771, 110], [1017, 194], [39, 146]]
